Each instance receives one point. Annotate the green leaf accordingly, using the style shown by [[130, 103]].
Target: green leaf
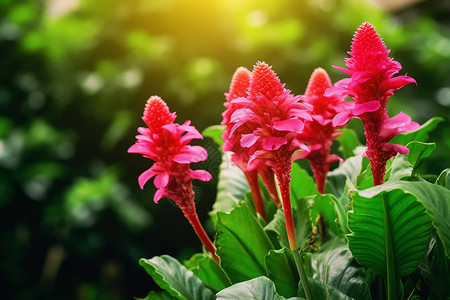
[[241, 243], [435, 198], [281, 270], [419, 135], [333, 211], [419, 151], [205, 268], [321, 291], [174, 278], [302, 184], [260, 288], [334, 266], [390, 231], [160, 295], [231, 188], [350, 169], [302, 223], [348, 142], [399, 168], [215, 132], [444, 179]]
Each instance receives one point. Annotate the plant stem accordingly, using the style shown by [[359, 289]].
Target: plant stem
[[284, 180], [391, 279], [252, 178], [198, 228], [302, 273]]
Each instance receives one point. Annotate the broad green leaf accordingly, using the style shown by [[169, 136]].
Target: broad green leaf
[[241, 243], [321, 291], [419, 151], [231, 187], [435, 198], [390, 231], [444, 179], [302, 224], [260, 288], [174, 278], [399, 168], [215, 132], [335, 266], [419, 135], [350, 169], [348, 142], [282, 271], [302, 184], [160, 295], [333, 211], [435, 270], [204, 267]]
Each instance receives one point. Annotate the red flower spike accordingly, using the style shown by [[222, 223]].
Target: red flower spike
[[238, 88], [371, 84], [166, 143], [273, 119], [319, 133]]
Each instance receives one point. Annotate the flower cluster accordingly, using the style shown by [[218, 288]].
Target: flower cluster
[[371, 84], [320, 132], [166, 143], [239, 86]]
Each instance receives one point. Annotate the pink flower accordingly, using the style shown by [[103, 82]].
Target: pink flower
[[371, 84], [166, 143], [240, 83], [320, 132], [271, 119]]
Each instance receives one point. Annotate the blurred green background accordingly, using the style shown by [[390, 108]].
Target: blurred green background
[[75, 75]]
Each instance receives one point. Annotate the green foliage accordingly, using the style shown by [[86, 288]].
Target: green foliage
[[175, 278]]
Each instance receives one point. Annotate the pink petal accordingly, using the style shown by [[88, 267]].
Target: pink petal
[[159, 194], [336, 92], [293, 125], [201, 175], [190, 154], [398, 148], [369, 106], [361, 76], [248, 140], [273, 143], [161, 180], [342, 118], [144, 177], [399, 81], [399, 120], [343, 70]]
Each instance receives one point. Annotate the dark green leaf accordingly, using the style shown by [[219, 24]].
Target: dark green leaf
[[435, 198], [282, 271], [241, 243], [328, 206], [419, 151], [444, 179], [348, 142], [302, 184], [334, 266], [205, 268], [388, 222], [260, 288], [215, 132], [174, 278]]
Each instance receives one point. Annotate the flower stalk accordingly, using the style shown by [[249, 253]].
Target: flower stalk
[[167, 144]]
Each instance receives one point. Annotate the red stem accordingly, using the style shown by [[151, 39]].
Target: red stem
[[282, 171], [198, 228], [320, 175], [252, 178]]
